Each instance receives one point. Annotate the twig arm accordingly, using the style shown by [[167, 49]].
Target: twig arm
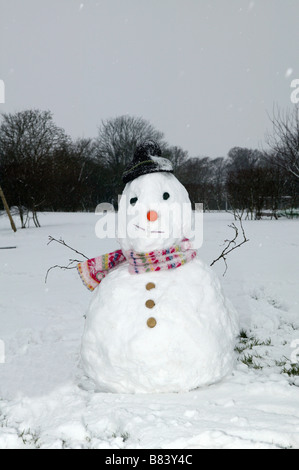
[[62, 242], [228, 249], [72, 262]]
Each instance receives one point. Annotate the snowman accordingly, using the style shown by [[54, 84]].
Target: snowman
[[158, 320]]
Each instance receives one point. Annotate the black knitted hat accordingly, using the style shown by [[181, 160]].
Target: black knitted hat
[[147, 159]]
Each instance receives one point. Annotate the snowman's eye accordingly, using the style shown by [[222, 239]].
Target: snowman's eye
[[133, 201], [166, 196]]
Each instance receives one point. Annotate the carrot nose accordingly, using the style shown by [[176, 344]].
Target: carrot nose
[[152, 216]]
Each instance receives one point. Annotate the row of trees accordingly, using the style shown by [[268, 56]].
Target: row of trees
[[41, 168]]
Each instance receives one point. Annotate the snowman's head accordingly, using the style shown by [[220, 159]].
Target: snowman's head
[[154, 210]]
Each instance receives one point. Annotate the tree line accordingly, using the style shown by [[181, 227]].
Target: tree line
[[43, 169]]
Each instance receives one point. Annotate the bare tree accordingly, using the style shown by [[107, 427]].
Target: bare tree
[[247, 180], [284, 140], [119, 137], [196, 175], [178, 158], [218, 175], [28, 140], [116, 143]]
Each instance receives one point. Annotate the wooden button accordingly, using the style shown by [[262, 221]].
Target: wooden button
[[150, 303], [151, 322], [150, 285]]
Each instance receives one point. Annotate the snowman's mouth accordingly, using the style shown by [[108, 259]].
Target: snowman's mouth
[[137, 226], [151, 231]]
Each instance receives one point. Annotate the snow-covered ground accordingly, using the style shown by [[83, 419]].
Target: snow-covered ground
[[45, 401]]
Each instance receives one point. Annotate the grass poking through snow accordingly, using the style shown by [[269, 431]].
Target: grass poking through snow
[[256, 354]]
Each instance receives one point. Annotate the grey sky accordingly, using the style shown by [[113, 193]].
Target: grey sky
[[205, 72]]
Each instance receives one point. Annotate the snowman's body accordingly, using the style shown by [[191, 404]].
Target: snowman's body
[[190, 345], [163, 331]]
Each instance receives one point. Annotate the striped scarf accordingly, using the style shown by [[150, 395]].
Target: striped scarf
[[94, 270]]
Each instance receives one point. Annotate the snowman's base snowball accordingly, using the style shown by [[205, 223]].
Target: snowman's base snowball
[[191, 344]]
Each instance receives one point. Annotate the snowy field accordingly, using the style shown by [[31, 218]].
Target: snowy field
[[45, 402]]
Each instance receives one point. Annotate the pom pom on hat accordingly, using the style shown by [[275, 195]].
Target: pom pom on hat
[[147, 159]]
